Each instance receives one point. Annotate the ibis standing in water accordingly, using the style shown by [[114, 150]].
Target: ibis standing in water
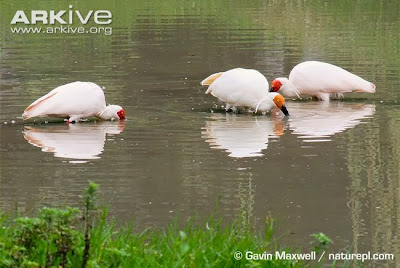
[[244, 89], [320, 79], [74, 101]]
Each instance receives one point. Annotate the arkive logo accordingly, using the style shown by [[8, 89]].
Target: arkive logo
[[62, 22], [70, 16]]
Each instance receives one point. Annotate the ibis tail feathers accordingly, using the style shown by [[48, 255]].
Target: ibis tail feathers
[[31, 110], [208, 81]]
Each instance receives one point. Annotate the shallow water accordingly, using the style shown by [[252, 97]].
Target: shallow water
[[332, 168]]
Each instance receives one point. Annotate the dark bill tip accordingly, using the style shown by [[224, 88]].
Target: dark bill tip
[[284, 110]]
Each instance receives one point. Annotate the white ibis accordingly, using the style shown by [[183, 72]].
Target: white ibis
[[244, 89], [74, 101], [320, 79]]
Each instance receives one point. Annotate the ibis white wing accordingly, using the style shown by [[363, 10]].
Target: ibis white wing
[[240, 87], [77, 98], [313, 77]]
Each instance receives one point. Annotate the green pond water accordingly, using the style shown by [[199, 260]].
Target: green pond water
[[332, 168]]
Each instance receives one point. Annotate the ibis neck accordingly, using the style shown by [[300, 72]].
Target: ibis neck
[[105, 114], [289, 89]]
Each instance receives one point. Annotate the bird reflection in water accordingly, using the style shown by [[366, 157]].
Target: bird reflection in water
[[318, 121], [80, 142], [247, 135], [242, 135]]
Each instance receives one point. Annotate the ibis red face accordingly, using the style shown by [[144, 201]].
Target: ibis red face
[[121, 114], [276, 85]]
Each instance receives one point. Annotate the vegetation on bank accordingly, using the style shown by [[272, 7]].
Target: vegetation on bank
[[72, 237]]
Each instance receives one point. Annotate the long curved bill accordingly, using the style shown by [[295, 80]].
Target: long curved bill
[[284, 110]]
